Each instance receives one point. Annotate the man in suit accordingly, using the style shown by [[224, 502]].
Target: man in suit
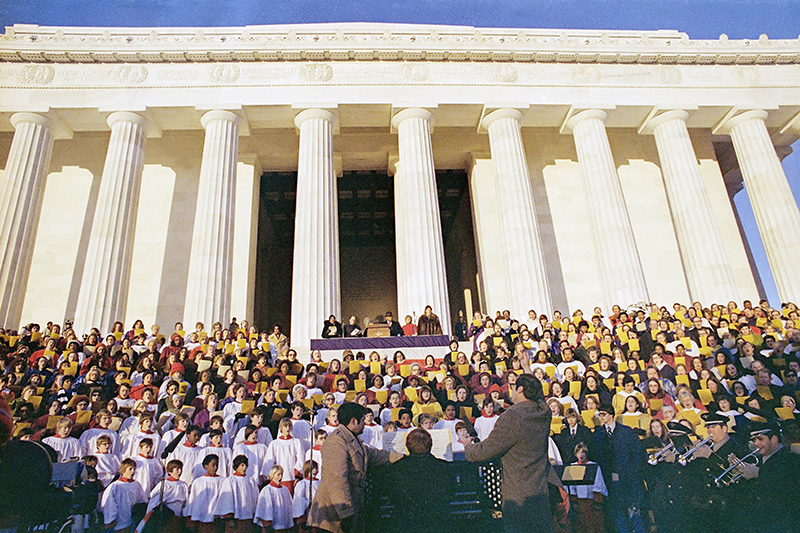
[[616, 448], [339, 502], [395, 329], [520, 439], [572, 434]]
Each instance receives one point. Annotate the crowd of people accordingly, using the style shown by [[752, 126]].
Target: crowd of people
[[242, 421]]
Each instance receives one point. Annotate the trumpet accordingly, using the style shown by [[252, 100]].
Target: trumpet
[[656, 457], [731, 476], [688, 456]]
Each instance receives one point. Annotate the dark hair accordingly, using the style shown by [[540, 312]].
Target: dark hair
[[172, 465], [147, 441], [249, 430], [419, 442], [214, 432], [240, 460], [531, 387], [349, 411], [194, 428], [210, 457]]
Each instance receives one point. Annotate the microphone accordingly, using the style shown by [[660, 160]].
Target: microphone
[[172, 445]]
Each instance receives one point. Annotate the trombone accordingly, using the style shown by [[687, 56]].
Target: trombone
[[731, 475], [654, 458], [688, 456]]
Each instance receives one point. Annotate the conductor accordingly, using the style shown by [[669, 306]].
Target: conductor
[[520, 439]]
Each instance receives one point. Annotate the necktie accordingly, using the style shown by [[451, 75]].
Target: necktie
[[609, 431]]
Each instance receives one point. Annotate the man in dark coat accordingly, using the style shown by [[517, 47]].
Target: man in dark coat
[[395, 329], [520, 438], [616, 448], [428, 324]]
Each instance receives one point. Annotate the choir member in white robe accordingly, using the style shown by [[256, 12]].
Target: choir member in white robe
[[107, 462], [89, 437], [255, 452], [224, 453], [191, 455], [304, 491], [484, 424], [287, 452], [119, 497], [175, 490], [67, 447], [301, 429], [274, 507], [149, 469], [201, 505], [130, 445], [238, 496], [373, 433]]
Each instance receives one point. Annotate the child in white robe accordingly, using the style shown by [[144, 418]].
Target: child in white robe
[[130, 446], [108, 463], [201, 505], [181, 422], [331, 420], [216, 423], [223, 453], [373, 433], [237, 497], [303, 494], [287, 452], [148, 468], [274, 507], [89, 437], [484, 424], [67, 447], [119, 498], [175, 494], [191, 455], [301, 429], [315, 453], [256, 419], [255, 453]]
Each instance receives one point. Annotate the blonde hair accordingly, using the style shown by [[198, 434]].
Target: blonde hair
[[285, 422], [276, 469]]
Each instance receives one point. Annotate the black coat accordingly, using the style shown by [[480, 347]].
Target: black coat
[[566, 442], [331, 330], [775, 507], [624, 455], [421, 510]]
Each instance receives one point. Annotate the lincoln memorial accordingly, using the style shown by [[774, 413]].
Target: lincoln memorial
[[281, 174]]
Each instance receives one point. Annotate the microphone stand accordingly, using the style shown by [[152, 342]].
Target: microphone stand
[[168, 450], [312, 415]]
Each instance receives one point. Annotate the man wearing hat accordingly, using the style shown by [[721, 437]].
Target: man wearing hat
[[395, 329], [774, 506], [616, 448]]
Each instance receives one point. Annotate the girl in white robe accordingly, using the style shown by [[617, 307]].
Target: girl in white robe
[[274, 507]]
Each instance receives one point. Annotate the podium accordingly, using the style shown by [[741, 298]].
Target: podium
[[377, 330]]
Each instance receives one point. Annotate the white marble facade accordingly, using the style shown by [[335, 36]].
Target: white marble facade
[[595, 162]]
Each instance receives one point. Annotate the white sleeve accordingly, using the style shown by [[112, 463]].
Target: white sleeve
[[108, 504], [264, 511]]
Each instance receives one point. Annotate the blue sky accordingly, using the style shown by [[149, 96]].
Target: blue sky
[[701, 19]]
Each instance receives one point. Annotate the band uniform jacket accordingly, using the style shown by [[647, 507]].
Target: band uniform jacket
[[341, 490], [520, 438]]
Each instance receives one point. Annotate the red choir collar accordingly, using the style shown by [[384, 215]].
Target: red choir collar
[[285, 438], [145, 456], [317, 447], [209, 475], [238, 474], [170, 478], [273, 484], [190, 445], [248, 443], [124, 480]]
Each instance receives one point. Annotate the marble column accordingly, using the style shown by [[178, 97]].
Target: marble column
[[20, 204], [315, 276], [103, 293], [519, 229], [208, 291], [421, 274], [774, 207], [615, 247], [705, 261]]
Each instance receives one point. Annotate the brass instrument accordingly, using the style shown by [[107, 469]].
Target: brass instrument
[[731, 476], [659, 456], [689, 455]]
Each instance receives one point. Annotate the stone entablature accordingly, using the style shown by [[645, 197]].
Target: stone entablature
[[383, 42]]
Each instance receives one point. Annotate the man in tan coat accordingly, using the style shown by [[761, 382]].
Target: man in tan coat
[[339, 502]]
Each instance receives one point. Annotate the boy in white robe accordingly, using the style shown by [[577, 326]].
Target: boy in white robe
[[223, 453], [130, 445], [256, 419], [89, 437], [331, 420], [108, 463], [175, 494], [216, 423], [315, 453], [255, 453], [301, 429], [67, 447], [181, 422], [201, 505], [119, 498], [373, 433], [303, 494], [274, 507], [287, 452], [191, 455], [237, 497], [484, 424], [148, 468]]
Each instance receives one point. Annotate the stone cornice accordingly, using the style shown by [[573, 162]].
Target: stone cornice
[[382, 42]]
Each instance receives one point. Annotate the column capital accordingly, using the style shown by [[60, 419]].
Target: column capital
[[726, 126], [126, 116], [651, 125], [18, 118], [582, 116], [506, 112], [314, 113], [411, 112], [220, 114]]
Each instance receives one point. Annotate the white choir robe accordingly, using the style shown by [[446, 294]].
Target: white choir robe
[[175, 494], [192, 459], [201, 505], [67, 447], [225, 456], [553, 454], [315, 454], [256, 454], [148, 472], [205, 440], [302, 497], [484, 425], [287, 452], [264, 436], [329, 429], [107, 467], [373, 436], [301, 430], [166, 438], [128, 427], [130, 445], [88, 440], [117, 502], [586, 492], [237, 496], [274, 505]]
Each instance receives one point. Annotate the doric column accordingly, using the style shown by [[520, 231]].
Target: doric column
[[773, 204], [103, 293], [208, 293], [519, 229], [705, 262], [315, 276], [22, 191], [421, 274], [620, 269]]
